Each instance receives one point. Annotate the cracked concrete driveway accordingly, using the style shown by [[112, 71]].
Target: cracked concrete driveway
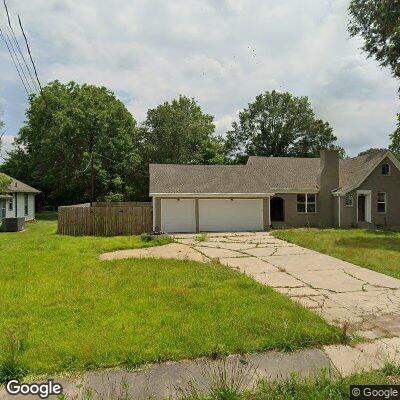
[[367, 301]]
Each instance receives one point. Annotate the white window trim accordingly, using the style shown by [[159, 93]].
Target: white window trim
[[352, 200], [26, 204], [306, 204], [381, 202], [368, 205], [10, 203]]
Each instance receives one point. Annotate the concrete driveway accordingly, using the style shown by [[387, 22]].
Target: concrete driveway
[[366, 301]]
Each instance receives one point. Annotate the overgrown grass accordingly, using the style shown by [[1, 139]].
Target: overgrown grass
[[376, 250], [323, 387], [80, 313]]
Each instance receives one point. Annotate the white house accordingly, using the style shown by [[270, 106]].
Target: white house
[[18, 201]]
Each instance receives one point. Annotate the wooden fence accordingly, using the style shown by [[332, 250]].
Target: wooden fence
[[105, 219]]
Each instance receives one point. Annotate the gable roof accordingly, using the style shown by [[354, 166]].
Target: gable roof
[[261, 175], [353, 171], [17, 186]]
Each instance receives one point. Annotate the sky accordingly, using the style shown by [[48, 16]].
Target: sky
[[221, 52]]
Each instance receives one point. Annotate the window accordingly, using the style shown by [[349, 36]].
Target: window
[[385, 169], [26, 205], [10, 204], [381, 202], [349, 201], [307, 203]]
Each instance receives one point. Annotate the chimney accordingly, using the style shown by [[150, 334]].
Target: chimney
[[328, 181]]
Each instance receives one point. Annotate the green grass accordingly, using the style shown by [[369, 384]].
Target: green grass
[[74, 312], [376, 250], [323, 387]]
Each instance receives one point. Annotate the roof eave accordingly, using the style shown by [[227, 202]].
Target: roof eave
[[211, 195]]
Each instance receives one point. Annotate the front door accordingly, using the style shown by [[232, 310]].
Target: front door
[[277, 209], [361, 208], [2, 209]]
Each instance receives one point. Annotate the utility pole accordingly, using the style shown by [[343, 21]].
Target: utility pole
[[91, 170]]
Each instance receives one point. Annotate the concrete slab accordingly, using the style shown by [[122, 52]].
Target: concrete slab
[[375, 278], [174, 379], [227, 245], [175, 251], [340, 316], [332, 280], [367, 303], [292, 250], [278, 279], [261, 251], [348, 360], [309, 262], [303, 291], [218, 253], [248, 265]]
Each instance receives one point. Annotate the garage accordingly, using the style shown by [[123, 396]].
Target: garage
[[178, 215], [230, 215]]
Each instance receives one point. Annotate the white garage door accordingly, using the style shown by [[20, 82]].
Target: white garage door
[[230, 215], [178, 215]]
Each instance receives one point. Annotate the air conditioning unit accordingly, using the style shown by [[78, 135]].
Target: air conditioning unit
[[13, 224]]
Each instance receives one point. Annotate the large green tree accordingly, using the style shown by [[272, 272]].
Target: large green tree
[[69, 130], [278, 124], [178, 132], [378, 23]]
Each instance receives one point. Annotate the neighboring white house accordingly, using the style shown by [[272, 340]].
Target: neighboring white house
[[18, 201]]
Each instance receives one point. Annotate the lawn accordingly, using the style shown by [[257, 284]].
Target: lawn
[[74, 312], [376, 250]]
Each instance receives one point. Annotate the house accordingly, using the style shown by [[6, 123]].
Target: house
[[277, 192], [18, 201]]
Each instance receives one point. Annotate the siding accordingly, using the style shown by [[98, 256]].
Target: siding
[[21, 207], [292, 217], [376, 182]]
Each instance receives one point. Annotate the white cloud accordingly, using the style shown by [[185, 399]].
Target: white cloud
[[222, 52]]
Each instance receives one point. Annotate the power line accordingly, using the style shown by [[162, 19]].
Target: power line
[[9, 36], [15, 64], [14, 37], [30, 54]]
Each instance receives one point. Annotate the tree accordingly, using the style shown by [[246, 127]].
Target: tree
[[178, 132], [5, 182], [378, 22], [278, 124], [70, 131], [370, 151], [395, 138]]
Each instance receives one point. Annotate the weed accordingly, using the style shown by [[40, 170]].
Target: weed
[[201, 238], [11, 367]]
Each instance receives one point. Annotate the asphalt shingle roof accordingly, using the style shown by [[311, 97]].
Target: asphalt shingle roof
[[17, 186], [260, 175]]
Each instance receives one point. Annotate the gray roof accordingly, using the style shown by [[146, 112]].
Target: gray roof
[[353, 170], [173, 178], [17, 186], [260, 175]]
